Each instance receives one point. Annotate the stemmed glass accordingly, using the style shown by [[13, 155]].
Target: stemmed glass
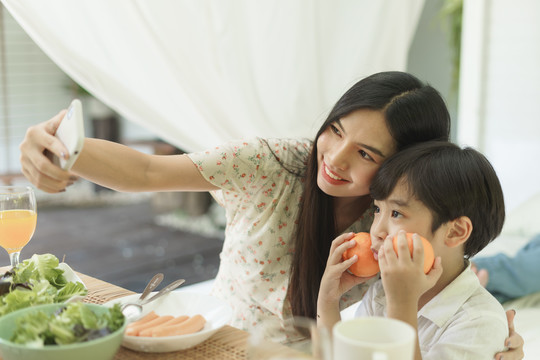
[[18, 218], [309, 342]]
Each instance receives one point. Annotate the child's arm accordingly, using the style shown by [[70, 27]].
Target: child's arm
[[513, 277], [404, 280], [336, 281]]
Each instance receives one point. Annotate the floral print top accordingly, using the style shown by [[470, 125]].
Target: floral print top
[[262, 200]]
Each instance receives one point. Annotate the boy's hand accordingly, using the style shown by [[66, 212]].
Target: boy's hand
[[336, 280], [403, 276]]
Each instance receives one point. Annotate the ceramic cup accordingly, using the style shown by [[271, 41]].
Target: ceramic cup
[[373, 338]]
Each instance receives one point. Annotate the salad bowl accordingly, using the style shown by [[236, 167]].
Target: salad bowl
[[103, 348]]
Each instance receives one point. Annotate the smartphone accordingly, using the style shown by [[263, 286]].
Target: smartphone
[[71, 134]]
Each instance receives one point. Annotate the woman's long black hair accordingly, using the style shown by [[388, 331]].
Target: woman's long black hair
[[414, 112]]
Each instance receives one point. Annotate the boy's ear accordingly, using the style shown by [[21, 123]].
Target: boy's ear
[[458, 231]]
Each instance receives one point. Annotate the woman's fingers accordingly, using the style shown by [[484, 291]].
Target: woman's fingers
[[43, 173], [511, 354], [510, 315], [35, 164], [514, 341]]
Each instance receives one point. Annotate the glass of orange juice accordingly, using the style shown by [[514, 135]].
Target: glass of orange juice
[[18, 218]]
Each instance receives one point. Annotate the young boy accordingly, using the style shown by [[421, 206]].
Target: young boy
[[453, 198]]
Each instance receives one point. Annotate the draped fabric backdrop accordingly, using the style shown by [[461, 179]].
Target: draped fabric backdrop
[[198, 73]]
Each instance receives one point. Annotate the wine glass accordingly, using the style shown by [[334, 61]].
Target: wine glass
[[18, 218], [302, 339]]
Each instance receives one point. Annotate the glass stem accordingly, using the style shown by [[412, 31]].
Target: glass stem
[[14, 258]]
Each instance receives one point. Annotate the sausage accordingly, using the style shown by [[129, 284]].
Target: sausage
[[190, 326], [146, 318], [173, 321], [135, 330]]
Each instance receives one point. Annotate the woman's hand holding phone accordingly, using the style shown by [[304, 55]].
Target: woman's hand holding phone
[[37, 148], [71, 133]]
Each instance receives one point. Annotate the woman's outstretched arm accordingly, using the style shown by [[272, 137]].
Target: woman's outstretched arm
[[106, 163]]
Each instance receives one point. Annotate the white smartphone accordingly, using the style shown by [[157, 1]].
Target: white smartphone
[[71, 133]]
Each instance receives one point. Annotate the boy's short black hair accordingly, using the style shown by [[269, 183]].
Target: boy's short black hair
[[451, 182]]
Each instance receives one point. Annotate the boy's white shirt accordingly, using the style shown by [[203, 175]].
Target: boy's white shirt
[[463, 321]]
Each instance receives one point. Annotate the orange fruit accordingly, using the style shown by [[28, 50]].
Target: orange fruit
[[366, 265], [429, 256]]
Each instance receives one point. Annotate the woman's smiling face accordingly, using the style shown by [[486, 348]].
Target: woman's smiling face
[[350, 151]]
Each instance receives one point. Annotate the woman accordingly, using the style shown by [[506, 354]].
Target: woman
[[285, 199]]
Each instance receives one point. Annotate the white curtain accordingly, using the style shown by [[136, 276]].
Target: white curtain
[[201, 72]]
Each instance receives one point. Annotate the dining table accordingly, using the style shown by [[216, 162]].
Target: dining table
[[228, 343]]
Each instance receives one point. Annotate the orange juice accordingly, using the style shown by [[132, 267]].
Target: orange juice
[[16, 228]]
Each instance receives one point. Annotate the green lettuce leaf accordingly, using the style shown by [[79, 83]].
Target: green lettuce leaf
[[40, 282], [40, 267], [75, 323], [31, 329], [69, 290], [41, 293], [114, 318]]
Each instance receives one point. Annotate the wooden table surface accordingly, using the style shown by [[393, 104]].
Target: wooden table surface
[[227, 343]]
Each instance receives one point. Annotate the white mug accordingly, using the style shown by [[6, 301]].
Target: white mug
[[373, 338]]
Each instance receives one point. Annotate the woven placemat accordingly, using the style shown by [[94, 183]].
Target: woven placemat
[[100, 292], [226, 344]]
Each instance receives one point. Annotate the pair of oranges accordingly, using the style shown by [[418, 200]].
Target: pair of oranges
[[367, 266]]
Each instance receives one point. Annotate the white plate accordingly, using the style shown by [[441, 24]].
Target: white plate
[[216, 312], [69, 274]]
